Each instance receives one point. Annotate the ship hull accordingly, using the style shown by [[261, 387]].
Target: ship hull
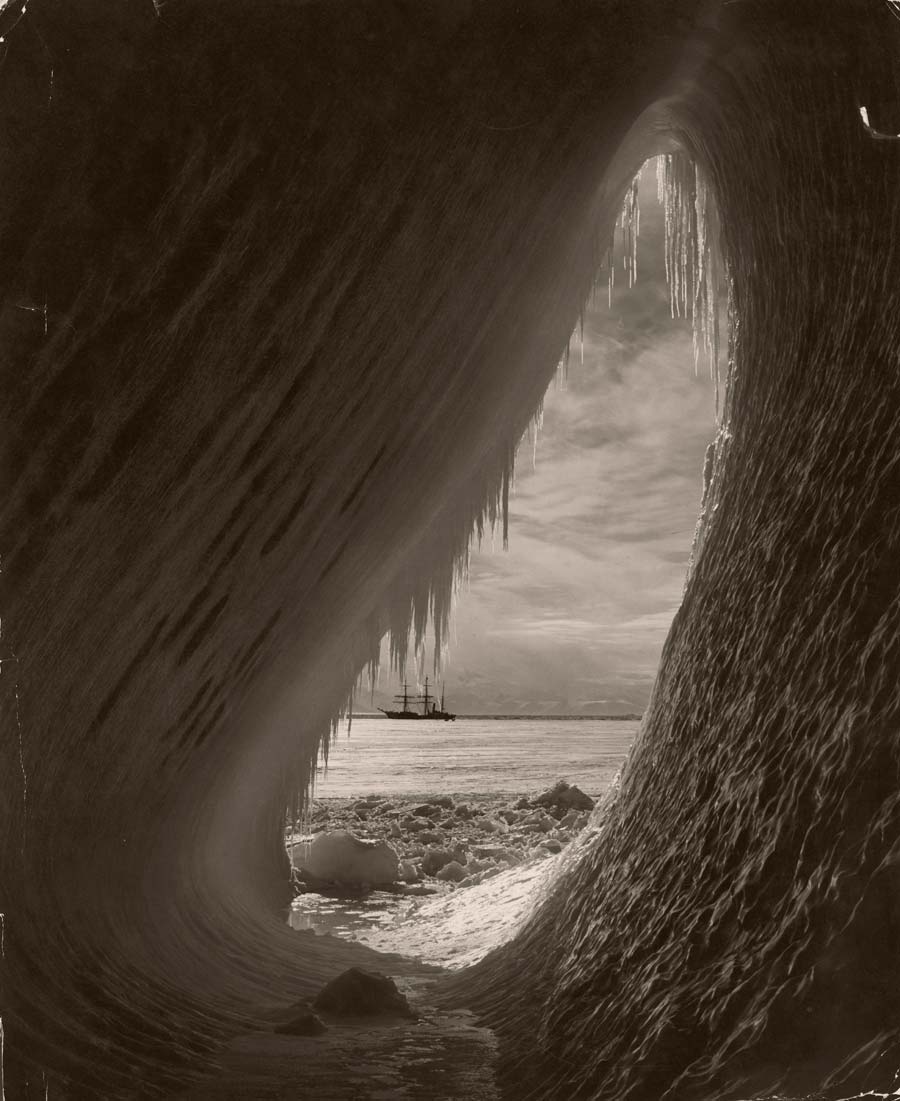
[[413, 715]]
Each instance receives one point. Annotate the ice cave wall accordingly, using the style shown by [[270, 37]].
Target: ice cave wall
[[283, 284]]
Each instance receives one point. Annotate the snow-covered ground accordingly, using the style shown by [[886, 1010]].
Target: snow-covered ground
[[448, 923], [507, 847], [458, 929]]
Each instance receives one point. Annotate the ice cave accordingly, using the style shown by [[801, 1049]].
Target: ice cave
[[236, 237]]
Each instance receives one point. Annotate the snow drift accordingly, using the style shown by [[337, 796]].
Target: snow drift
[[269, 270]]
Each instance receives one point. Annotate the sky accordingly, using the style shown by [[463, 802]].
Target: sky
[[571, 619]]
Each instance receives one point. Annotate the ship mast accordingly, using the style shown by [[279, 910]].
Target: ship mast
[[425, 698], [404, 697]]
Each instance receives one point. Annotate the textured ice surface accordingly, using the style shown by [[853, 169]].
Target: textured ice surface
[[283, 285], [458, 929]]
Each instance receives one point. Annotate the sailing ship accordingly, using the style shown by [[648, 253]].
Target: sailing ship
[[427, 712]]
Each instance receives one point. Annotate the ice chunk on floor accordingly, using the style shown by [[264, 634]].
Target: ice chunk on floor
[[341, 857]]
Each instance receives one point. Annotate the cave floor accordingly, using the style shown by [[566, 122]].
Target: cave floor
[[442, 1054], [439, 1055]]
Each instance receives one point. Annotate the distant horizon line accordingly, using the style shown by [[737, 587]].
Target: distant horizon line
[[508, 715]]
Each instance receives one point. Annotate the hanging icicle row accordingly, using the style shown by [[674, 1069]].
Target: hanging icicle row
[[691, 253], [692, 276]]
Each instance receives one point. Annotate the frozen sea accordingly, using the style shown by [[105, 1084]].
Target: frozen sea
[[473, 755]]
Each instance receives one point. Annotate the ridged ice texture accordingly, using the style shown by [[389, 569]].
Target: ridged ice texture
[[283, 286]]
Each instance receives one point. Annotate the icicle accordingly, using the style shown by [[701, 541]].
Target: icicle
[[691, 254], [507, 474], [630, 229], [534, 428]]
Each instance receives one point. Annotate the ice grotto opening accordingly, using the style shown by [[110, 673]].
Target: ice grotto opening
[[236, 239]]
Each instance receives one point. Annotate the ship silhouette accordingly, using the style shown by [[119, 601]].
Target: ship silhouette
[[432, 712]]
